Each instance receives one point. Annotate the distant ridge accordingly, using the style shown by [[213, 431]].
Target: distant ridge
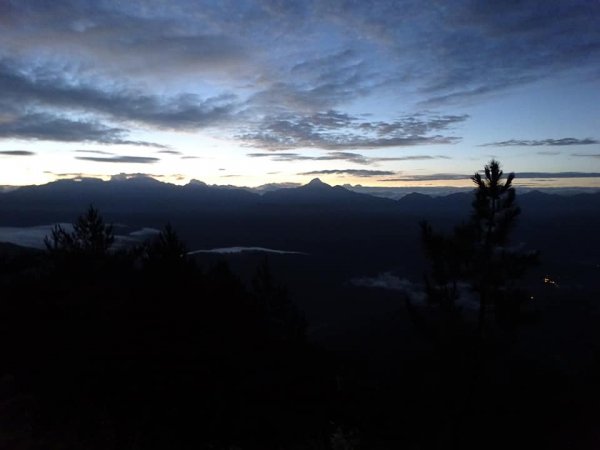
[[62, 200], [318, 193]]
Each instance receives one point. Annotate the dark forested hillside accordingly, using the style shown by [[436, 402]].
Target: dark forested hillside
[[331, 347]]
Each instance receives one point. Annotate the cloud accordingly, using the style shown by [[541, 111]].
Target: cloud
[[117, 177], [120, 159], [274, 186], [586, 155], [447, 55], [557, 174], [518, 175], [341, 156], [542, 142], [169, 152], [461, 53], [33, 237], [48, 127], [496, 47], [387, 280], [50, 88], [132, 37], [176, 66], [432, 177], [94, 152], [351, 172], [16, 153], [331, 156], [549, 153], [320, 83], [415, 292], [334, 130], [41, 103], [414, 158], [73, 175], [123, 176]]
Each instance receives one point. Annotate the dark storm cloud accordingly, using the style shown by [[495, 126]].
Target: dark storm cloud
[[16, 153], [351, 172], [119, 159], [334, 130], [541, 142]]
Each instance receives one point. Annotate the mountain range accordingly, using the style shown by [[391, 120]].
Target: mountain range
[[64, 198]]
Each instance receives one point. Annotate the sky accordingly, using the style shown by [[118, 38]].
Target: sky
[[377, 93]]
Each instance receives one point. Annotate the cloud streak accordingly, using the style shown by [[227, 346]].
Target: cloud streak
[[541, 142], [586, 155], [518, 175], [49, 88], [48, 127], [341, 156], [338, 131], [351, 172], [120, 159], [94, 152], [16, 153], [169, 152]]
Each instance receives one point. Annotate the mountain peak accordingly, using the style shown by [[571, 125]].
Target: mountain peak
[[194, 182], [316, 182]]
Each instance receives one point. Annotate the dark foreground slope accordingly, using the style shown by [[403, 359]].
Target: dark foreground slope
[[120, 355]]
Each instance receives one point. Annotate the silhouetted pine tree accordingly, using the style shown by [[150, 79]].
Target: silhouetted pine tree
[[496, 267], [477, 253], [165, 253], [90, 236]]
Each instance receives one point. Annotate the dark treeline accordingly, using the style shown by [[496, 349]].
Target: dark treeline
[[141, 347]]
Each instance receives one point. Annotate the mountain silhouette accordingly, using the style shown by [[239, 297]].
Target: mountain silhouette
[[123, 197], [319, 194]]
